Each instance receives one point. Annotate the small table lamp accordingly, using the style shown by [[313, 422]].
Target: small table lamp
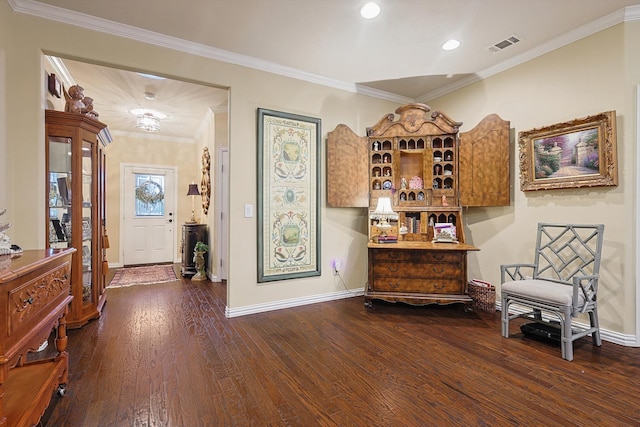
[[383, 213], [193, 191]]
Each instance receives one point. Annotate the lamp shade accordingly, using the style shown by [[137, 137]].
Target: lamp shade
[[384, 207], [193, 190]]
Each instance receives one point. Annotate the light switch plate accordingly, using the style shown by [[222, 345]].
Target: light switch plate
[[248, 211]]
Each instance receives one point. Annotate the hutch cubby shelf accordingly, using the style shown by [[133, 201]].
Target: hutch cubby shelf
[[430, 172]]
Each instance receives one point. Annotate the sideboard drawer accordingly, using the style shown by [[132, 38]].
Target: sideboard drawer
[[28, 301]]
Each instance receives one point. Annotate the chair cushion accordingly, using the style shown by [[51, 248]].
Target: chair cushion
[[544, 290]]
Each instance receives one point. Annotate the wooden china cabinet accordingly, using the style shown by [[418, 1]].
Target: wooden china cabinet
[[75, 173], [430, 172]]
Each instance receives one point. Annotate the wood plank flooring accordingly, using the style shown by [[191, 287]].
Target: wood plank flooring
[[165, 355]]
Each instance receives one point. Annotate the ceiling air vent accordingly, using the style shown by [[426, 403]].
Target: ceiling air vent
[[509, 41]]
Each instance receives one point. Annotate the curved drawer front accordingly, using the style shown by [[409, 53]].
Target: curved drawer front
[[418, 256], [28, 301], [435, 270], [442, 286]]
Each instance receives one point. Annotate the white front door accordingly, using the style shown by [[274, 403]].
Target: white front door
[[148, 215]]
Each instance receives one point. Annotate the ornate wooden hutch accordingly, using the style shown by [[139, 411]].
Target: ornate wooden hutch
[[429, 171]]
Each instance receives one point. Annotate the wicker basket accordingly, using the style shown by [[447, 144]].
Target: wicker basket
[[483, 295]]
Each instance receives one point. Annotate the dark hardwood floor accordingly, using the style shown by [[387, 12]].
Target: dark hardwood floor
[[165, 355]]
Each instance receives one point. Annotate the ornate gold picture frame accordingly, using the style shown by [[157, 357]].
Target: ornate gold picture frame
[[288, 196], [579, 153], [205, 182]]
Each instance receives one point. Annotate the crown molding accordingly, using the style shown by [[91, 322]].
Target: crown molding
[[89, 22], [630, 13], [65, 16]]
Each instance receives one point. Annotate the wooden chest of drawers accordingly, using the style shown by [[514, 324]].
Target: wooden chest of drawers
[[34, 298], [418, 273]]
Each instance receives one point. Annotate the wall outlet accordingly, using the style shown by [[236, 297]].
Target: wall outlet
[[337, 265]]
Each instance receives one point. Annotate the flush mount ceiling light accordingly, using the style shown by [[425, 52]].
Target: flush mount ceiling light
[[148, 122], [370, 10], [451, 44]]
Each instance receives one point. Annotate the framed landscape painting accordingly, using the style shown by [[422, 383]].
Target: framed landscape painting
[[579, 153], [288, 196]]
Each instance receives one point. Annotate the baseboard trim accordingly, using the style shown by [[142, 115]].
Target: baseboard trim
[[290, 303], [626, 340]]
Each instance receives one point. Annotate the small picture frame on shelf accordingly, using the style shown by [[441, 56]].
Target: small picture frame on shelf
[[86, 228], [57, 227], [64, 190], [53, 237], [86, 255], [444, 233]]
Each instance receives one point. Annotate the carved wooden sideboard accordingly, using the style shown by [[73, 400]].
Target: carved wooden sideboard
[[34, 299]]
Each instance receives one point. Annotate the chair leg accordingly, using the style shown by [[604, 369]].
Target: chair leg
[[567, 342], [595, 335], [505, 316]]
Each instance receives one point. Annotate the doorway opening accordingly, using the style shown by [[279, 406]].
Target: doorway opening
[[187, 123]]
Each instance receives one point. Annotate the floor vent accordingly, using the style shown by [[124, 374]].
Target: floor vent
[[509, 41]]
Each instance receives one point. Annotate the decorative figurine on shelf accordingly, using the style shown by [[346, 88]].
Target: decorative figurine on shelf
[[198, 258], [403, 183], [88, 108], [7, 250], [5, 242], [376, 146], [444, 201], [74, 98]]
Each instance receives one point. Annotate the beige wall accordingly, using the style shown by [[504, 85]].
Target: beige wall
[[596, 74], [343, 230], [593, 75], [147, 151]]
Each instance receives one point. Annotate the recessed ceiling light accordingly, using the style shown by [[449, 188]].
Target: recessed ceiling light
[[370, 10], [451, 44]]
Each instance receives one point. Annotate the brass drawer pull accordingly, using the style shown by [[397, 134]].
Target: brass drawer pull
[[438, 270], [28, 300], [394, 286]]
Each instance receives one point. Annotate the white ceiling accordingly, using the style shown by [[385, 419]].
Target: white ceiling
[[327, 41]]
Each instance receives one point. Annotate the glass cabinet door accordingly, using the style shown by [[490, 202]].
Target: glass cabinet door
[[87, 221], [59, 224]]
